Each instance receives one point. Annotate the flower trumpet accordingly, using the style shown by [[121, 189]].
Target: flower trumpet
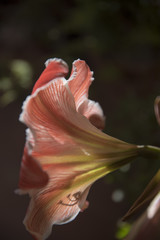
[[65, 150]]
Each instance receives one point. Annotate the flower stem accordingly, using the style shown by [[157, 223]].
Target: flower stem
[[148, 151]]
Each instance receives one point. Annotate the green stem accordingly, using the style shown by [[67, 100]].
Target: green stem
[[148, 151]]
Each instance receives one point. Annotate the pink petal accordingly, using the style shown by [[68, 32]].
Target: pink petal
[[31, 174], [54, 204], [93, 111], [54, 68], [40, 217], [60, 200], [46, 113], [79, 81], [83, 204]]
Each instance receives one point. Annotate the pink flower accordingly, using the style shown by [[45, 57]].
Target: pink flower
[[65, 150]]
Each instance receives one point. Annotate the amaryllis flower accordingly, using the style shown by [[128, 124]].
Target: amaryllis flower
[[65, 150]]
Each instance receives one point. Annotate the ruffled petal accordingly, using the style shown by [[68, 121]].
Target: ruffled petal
[[93, 111], [55, 67], [79, 81]]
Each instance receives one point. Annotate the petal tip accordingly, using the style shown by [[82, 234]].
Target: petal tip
[[85, 206], [78, 61], [59, 60]]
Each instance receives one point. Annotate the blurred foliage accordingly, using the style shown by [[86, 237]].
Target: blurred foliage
[[120, 40], [19, 79], [123, 230]]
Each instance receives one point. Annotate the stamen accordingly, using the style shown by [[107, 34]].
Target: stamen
[[74, 198]]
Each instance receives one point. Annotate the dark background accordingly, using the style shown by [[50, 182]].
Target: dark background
[[120, 41]]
